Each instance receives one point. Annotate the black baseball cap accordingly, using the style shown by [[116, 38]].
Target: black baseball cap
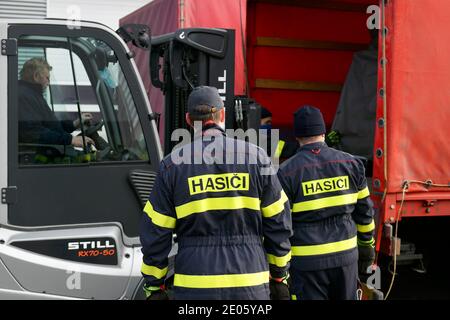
[[204, 96]]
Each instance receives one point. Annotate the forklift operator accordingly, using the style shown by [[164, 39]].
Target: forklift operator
[[37, 122]]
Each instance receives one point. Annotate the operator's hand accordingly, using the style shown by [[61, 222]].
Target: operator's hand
[[366, 258], [77, 141], [333, 138], [279, 288], [85, 117]]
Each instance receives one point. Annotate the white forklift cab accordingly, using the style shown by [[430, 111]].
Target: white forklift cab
[[69, 216]]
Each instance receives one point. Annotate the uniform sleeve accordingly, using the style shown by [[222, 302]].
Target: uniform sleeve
[[290, 193], [156, 230], [33, 130], [68, 126], [363, 214], [277, 225]]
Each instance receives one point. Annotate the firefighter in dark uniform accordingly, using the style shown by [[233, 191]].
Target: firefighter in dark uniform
[[332, 214], [232, 218]]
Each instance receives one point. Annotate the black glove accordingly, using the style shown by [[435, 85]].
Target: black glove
[[366, 258], [158, 295], [155, 293], [279, 288]]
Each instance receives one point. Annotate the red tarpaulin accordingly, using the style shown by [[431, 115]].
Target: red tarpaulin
[[418, 94], [162, 17]]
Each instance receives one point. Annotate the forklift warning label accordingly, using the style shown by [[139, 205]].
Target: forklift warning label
[[325, 185], [219, 182]]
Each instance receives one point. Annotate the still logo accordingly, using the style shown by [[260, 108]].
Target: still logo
[[77, 245]]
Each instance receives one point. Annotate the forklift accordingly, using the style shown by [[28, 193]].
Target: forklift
[[69, 216]]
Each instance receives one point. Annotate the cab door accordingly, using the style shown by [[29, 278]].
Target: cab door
[[72, 222]]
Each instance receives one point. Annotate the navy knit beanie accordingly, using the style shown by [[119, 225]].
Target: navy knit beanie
[[308, 122]]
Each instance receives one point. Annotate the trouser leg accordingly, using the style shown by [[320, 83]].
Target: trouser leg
[[344, 282], [310, 285]]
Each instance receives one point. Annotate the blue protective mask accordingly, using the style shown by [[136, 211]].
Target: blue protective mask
[[267, 127], [106, 76]]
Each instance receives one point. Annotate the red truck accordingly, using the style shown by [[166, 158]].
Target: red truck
[[294, 52]]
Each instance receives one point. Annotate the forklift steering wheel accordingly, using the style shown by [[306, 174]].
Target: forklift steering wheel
[[92, 129]]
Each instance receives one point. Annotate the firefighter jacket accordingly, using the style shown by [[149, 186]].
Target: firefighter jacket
[[331, 209], [232, 221]]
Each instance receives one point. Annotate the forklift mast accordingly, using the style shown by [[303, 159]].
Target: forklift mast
[[193, 57]]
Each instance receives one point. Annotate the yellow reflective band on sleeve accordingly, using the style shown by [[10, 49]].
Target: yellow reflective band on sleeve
[[225, 203], [221, 281], [159, 219], [366, 227], [364, 193], [326, 248], [276, 207], [327, 202], [153, 271], [279, 149], [370, 242], [279, 261], [293, 297]]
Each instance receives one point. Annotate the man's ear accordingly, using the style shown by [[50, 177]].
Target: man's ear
[[188, 119], [222, 115], [36, 77]]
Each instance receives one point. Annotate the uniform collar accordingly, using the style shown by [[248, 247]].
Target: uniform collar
[[212, 129], [313, 146]]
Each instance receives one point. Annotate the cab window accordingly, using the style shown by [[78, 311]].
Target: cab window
[[74, 104]]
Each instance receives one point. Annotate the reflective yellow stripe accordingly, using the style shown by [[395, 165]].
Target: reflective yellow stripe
[[363, 193], [276, 207], [153, 271], [225, 203], [279, 149], [325, 202], [158, 218], [366, 227], [293, 297], [370, 242], [324, 248], [279, 261], [222, 280]]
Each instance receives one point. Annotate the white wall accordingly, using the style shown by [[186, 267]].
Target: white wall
[[107, 12]]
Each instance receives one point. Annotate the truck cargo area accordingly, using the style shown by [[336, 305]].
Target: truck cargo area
[[299, 52]]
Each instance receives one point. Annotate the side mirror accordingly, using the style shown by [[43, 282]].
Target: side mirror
[[138, 34]]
